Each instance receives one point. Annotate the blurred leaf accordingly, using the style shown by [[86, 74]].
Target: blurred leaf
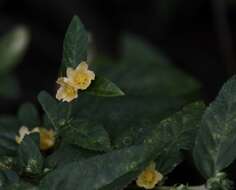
[[96, 172], [216, 141], [28, 116], [9, 87], [86, 134], [103, 87], [75, 44], [12, 48], [144, 71], [30, 160], [8, 130]]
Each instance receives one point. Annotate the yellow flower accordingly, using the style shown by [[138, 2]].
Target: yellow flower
[[149, 177], [66, 92], [23, 131], [81, 77], [47, 138]]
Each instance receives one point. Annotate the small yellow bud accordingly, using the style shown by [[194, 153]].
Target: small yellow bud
[[23, 131], [47, 138], [149, 178], [66, 92], [81, 77]]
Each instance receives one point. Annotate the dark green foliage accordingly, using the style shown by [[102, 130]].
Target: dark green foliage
[[75, 44], [86, 134], [103, 87], [28, 115], [97, 172], [29, 159], [66, 154], [57, 113], [104, 143], [215, 144], [8, 131]]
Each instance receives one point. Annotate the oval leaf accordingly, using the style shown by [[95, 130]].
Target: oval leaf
[[75, 44], [215, 145], [104, 87]]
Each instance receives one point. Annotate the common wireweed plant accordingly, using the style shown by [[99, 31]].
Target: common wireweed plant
[[93, 136]]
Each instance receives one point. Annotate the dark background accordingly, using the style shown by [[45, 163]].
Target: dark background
[[197, 35]]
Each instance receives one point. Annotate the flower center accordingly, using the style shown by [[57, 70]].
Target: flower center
[[149, 176], [82, 79]]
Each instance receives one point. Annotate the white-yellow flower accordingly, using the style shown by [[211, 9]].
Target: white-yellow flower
[[81, 77], [23, 131], [47, 138], [150, 177], [66, 92]]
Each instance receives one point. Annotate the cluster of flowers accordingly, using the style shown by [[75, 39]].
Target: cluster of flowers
[[79, 78]]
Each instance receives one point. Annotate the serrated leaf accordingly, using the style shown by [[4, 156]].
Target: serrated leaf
[[29, 159], [8, 130], [215, 145], [58, 113], [96, 172], [28, 116], [12, 48], [86, 134], [103, 87], [75, 44], [174, 134]]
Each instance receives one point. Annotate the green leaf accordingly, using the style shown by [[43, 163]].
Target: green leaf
[[30, 160], [97, 172], [7, 177], [67, 154], [86, 134], [21, 186], [75, 44], [215, 145], [6, 162], [8, 130], [58, 113], [103, 87], [28, 116], [174, 134], [12, 48]]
